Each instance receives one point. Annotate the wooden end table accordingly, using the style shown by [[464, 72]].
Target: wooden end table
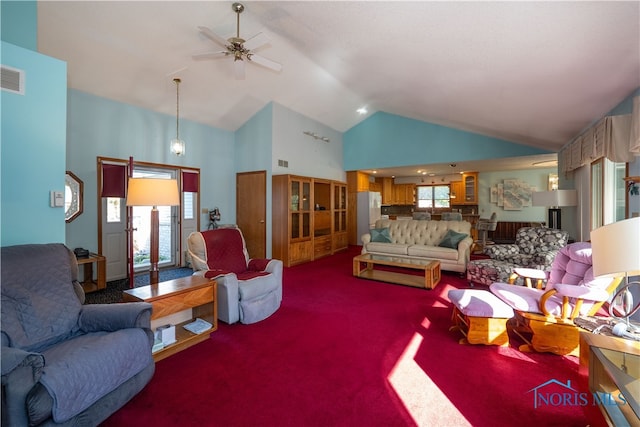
[[430, 267], [193, 292], [88, 284]]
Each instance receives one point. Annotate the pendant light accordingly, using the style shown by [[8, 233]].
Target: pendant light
[[177, 145]]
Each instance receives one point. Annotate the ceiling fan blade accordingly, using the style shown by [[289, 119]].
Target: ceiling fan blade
[[256, 41], [238, 69], [261, 60], [210, 55], [213, 36]]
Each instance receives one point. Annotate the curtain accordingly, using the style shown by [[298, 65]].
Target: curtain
[[634, 140], [190, 181], [114, 178], [617, 137]]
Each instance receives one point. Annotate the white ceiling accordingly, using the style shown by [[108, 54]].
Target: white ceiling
[[536, 73]]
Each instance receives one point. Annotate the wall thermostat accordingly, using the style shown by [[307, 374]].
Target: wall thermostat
[[57, 199]]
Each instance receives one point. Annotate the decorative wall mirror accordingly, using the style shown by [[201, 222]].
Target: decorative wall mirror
[[73, 188]]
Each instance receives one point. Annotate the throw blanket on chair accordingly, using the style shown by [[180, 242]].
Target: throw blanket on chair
[[225, 250]]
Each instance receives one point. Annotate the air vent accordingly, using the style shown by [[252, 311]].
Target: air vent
[[283, 163], [12, 80]]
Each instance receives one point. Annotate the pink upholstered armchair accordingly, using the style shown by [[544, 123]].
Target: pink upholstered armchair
[[249, 290], [547, 314]]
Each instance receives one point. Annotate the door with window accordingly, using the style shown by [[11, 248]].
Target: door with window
[[141, 221], [176, 223]]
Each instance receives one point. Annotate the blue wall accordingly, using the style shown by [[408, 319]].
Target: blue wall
[[367, 145], [33, 149], [254, 142], [105, 128], [18, 23]]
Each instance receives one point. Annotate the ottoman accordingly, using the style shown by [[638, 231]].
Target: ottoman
[[488, 271], [480, 316]]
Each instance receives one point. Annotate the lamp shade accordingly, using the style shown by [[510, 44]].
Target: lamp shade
[[555, 198], [152, 192], [616, 249]]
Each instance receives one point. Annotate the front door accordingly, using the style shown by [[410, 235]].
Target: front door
[[141, 215], [114, 237], [251, 210]]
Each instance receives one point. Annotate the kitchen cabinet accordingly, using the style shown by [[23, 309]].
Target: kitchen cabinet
[[396, 194], [304, 218], [404, 194], [386, 188], [470, 182], [456, 192], [375, 186], [363, 181]]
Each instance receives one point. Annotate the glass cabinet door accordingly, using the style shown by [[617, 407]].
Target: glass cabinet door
[[469, 189], [295, 195], [339, 208], [306, 196], [300, 209]]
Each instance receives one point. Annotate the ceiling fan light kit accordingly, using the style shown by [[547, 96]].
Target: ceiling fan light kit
[[239, 48]]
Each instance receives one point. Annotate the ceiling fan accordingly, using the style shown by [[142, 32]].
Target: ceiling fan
[[238, 47]]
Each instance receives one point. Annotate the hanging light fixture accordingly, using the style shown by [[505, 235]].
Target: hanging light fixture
[[177, 145]]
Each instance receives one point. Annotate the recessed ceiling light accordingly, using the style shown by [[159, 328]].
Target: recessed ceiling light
[[362, 110]]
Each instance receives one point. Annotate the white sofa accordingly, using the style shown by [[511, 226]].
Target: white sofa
[[420, 238]]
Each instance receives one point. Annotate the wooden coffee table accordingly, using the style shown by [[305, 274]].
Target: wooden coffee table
[[430, 267], [193, 292]]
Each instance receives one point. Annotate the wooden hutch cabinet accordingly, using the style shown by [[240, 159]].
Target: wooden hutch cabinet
[[339, 208], [309, 218], [322, 239]]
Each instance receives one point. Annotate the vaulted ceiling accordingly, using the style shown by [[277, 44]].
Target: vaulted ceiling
[[536, 73]]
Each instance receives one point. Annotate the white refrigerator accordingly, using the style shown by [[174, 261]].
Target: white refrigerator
[[369, 203]]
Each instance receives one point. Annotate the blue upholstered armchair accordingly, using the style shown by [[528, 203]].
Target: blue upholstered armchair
[[65, 363]]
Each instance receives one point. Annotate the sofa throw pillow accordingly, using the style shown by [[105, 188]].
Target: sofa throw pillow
[[451, 239], [380, 235]]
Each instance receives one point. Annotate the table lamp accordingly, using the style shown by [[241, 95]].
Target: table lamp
[[616, 253], [554, 200], [153, 192]]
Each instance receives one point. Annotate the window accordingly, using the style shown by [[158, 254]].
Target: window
[[433, 196], [608, 197], [113, 209], [187, 205]]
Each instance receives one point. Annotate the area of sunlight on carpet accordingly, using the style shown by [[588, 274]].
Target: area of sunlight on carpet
[[412, 384]]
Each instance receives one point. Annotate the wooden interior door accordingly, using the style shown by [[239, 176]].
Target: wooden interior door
[[251, 210]]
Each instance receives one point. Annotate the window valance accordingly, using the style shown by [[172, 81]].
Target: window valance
[[615, 137]]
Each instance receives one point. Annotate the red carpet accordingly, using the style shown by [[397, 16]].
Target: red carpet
[[343, 351]]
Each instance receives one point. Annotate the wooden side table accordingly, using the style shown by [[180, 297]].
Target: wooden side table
[[192, 292], [88, 284]]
